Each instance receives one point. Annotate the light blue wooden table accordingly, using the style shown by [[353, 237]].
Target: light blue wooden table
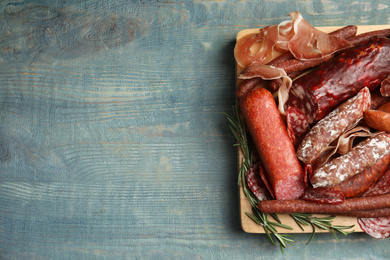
[[113, 138]]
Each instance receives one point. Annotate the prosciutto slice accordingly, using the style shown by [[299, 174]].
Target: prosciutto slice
[[311, 43], [296, 36]]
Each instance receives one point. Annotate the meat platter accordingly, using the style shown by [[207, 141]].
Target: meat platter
[[247, 223]]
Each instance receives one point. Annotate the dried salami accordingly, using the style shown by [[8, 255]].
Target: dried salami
[[255, 184], [332, 126], [296, 123], [363, 155], [375, 227], [327, 86], [385, 87], [359, 183]]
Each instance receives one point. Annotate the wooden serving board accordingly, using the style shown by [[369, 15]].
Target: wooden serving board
[[248, 225]]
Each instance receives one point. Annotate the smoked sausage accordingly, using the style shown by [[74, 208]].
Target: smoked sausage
[[327, 86], [273, 144], [358, 184], [306, 206]]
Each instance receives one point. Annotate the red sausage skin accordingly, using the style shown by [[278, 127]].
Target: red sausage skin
[[273, 144], [326, 87]]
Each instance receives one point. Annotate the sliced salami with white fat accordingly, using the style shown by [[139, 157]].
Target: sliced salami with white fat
[[255, 183]]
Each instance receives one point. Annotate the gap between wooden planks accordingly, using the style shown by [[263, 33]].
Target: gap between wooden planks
[[248, 225]]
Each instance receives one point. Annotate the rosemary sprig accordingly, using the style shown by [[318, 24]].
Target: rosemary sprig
[[237, 126]]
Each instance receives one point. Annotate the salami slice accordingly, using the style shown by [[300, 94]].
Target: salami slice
[[255, 184], [375, 227], [296, 123]]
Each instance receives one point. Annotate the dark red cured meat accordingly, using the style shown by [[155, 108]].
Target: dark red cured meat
[[385, 87], [296, 123], [305, 206], [355, 40], [324, 195], [246, 86], [255, 184], [358, 184], [377, 100], [275, 149], [293, 65], [327, 86]]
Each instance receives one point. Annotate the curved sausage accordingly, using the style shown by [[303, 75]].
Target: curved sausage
[[358, 184], [273, 144], [246, 86], [362, 156], [327, 86]]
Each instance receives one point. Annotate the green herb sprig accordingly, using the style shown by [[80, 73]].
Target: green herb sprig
[[237, 126]]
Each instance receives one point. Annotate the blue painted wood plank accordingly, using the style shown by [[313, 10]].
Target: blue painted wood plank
[[113, 138]]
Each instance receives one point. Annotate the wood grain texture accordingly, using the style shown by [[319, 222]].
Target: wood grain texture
[[113, 138]]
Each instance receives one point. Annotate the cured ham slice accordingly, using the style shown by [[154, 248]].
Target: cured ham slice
[[296, 36]]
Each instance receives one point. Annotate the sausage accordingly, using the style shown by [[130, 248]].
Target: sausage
[[385, 87], [374, 213], [275, 149], [255, 184], [293, 65], [358, 184], [332, 126], [305, 206], [296, 124], [363, 155], [377, 100], [377, 225], [327, 86], [356, 40], [378, 120], [246, 86]]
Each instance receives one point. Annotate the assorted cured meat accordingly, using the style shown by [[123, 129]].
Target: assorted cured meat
[[319, 117]]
